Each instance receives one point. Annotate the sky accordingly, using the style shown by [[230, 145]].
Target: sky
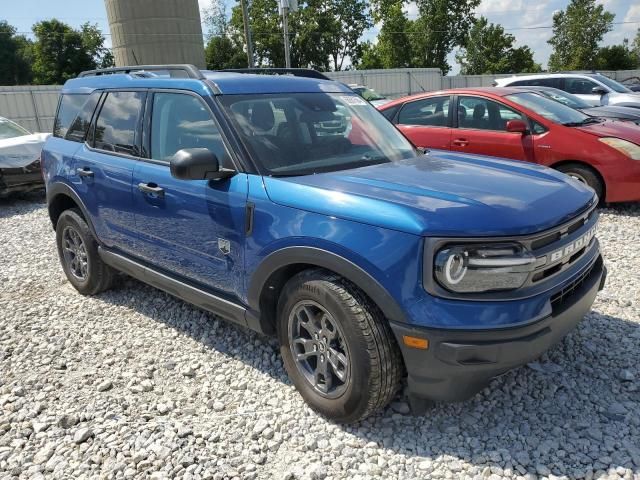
[[521, 18]]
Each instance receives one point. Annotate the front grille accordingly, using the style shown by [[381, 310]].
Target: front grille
[[542, 242], [558, 297]]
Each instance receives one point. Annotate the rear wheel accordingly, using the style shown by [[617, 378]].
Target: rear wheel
[[337, 347], [585, 175], [78, 252]]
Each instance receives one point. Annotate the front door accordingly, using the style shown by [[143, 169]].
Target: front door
[[191, 228], [426, 122], [482, 129]]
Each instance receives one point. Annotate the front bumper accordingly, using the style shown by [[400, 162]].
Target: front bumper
[[458, 364], [24, 179]]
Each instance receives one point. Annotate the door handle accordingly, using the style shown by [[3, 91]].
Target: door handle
[[461, 142], [151, 188], [85, 172]]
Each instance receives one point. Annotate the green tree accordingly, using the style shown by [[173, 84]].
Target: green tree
[[617, 57], [222, 52], [323, 34], [59, 53], [14, 56], [488, 49], [93, 43], [368, 57], [350, 18], [577, 31], [394, 46], [635, 46], [440, 26]]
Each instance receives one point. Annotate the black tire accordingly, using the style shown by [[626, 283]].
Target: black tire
[[375, 365], [584, 174], [97, 276]]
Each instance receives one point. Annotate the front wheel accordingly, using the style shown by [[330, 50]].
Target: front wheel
[[584, 175], [337, 347]]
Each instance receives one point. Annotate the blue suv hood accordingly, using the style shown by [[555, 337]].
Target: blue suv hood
[[440, 194]]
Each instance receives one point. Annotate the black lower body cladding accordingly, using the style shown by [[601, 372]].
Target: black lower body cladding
[[458, 364]]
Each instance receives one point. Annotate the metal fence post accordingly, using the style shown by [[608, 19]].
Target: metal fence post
[[35, 111]]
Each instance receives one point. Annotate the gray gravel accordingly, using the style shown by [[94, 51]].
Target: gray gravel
[[136, 384]]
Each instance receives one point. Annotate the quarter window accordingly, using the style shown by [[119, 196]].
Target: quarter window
[[80, 125], [183, 121], [70, 105], [483, 114], [433, 112], [117, 124]]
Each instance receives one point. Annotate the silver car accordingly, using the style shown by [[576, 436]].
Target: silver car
[[594, 88]]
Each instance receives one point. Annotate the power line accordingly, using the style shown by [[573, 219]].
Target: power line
[[278, 32]]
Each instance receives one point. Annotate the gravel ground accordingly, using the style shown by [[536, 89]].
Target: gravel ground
[[136, 384]]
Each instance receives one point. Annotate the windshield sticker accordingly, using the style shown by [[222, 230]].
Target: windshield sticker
[[353, 100]]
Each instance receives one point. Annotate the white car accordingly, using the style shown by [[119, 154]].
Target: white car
[[594, 88], [369, 94], [19, 158]]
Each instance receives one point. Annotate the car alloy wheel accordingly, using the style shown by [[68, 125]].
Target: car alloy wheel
[[319, 349], [75, 253]]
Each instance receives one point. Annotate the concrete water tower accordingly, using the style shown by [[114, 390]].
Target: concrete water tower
[[152, 32]]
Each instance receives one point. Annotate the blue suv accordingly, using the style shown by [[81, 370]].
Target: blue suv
[[289, 205]]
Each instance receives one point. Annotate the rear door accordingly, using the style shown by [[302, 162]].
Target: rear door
[[427, 122], [103, 166], [194, 229], [481, 128]]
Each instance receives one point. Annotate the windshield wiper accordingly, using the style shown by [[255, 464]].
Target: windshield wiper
[[586, 121]]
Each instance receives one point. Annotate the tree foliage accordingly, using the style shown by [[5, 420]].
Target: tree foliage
[[323, 34], [61, 52], [617, 57], [577, 31], [440, 26], [488, 49], [15, 51]]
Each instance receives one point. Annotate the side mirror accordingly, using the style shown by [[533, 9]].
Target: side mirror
[[517, 126], [197, 164], [599, 91]]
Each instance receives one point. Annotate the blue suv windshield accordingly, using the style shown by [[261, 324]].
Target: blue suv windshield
[[307, 133]]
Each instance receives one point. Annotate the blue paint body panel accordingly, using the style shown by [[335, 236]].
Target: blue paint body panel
[[375, 217]]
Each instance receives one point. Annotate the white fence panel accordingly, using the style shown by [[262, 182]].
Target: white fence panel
[[33, 107]]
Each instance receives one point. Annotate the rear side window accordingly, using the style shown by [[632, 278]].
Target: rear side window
[[116, 129], [70, 105], [78, 129]]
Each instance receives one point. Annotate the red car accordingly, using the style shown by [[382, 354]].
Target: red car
[[523, 125]]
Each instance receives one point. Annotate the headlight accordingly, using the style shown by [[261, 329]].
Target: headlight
[[483, 268], [630, 149]]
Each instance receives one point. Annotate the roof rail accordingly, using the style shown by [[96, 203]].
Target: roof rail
[[296, 72], [175, 70]]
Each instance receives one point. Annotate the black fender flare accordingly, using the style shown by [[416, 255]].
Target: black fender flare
[[59, 188], [324, 259]]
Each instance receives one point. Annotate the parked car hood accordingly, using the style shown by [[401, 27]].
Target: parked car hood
[[629, 113], [611, 128], [21, 151], [442, 193]]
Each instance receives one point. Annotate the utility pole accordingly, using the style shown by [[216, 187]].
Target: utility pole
[[247, 33], [287, 6], [285, 30]]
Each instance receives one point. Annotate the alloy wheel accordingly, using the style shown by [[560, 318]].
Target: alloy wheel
[[319, 349], [75, 253]]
